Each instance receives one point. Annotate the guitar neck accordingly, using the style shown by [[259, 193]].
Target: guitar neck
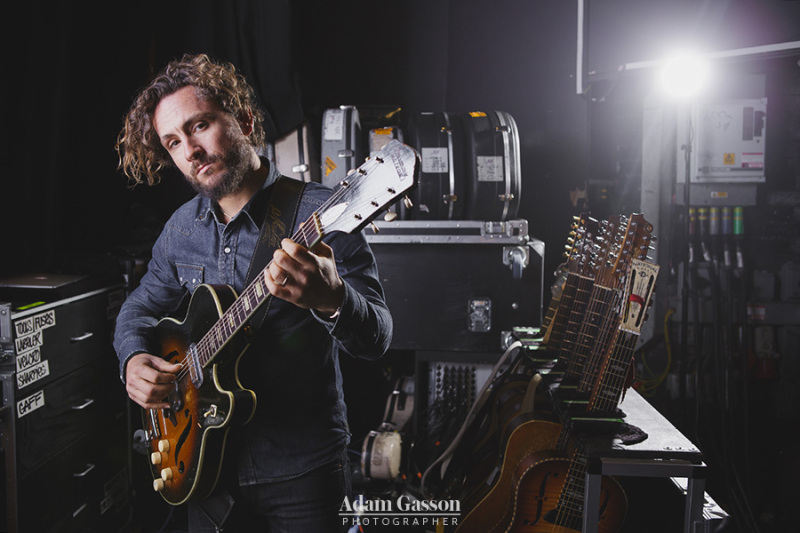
[[555, 333], [588, 340], [616, 363], [613, 374], [581, 302], [251, 299]]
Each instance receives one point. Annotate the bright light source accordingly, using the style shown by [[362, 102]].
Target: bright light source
[[683, 75]]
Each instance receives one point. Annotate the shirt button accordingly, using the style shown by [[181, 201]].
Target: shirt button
[[227, 249]]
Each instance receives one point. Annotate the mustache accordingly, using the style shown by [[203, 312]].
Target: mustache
[[204, 160]]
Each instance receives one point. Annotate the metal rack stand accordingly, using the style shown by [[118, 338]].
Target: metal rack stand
[[665, 453]]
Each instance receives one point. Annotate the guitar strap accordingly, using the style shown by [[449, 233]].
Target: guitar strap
[[280, 214]]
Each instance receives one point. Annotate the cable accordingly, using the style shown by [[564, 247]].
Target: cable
[[480, 399], [649, 386]]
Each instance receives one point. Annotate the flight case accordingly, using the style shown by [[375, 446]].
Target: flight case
[[458, 285]]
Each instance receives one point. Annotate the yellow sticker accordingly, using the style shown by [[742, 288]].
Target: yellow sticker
[[729, 159], [383, 131], [476, 114], [330, 166]]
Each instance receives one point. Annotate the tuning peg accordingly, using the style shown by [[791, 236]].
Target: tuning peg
[[390, 216], [407, 202], [375, 228]]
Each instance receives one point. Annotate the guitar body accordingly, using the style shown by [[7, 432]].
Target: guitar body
[[492, 505], [539, 481], [188, 439]]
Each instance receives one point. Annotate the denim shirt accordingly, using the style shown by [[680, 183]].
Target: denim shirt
[[293, 363]]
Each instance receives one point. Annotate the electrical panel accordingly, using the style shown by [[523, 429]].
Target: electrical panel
[[728, 141]]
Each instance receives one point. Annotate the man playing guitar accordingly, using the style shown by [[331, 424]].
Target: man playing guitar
[[286, 468]]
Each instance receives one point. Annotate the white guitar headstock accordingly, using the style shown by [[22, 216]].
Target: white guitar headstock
[[368, 190]]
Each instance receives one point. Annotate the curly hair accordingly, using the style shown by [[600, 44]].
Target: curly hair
[[141, 156]]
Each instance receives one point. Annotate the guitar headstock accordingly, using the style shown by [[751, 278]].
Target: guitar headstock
[[638, 291], [580, 243], [369, 189], [634, 245]]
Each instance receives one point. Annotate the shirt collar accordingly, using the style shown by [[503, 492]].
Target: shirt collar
[[253, 209]]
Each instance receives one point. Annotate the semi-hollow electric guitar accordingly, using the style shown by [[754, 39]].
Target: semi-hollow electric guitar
[[187, 440]]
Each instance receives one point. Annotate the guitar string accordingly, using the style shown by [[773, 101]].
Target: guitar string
[[612, 318], [570, 503], [594, 317], [563, 505], [575, 321], [595, 310], [623, 361], [615, 383], [608, 284], [205, 346], [586, 288], [566, 302], [621, 353], [601, 338]]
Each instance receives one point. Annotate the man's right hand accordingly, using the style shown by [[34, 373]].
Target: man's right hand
[[149, 379]]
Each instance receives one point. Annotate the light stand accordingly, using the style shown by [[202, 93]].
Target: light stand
[[687, 258]]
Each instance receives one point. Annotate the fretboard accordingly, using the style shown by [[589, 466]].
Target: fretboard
[[253, 297], [555, 333]]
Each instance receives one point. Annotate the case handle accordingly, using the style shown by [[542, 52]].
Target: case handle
[[83, 337]]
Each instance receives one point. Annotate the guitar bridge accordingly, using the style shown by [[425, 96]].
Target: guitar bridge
[[195, 370]]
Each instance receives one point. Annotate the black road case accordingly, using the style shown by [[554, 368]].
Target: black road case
[[458, 285]]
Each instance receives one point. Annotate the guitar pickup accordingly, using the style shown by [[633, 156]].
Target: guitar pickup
[[195, 370]]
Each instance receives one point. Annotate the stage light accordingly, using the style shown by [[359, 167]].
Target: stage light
[[683, 75]]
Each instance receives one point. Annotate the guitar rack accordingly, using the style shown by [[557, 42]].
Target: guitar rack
[[666, 452]]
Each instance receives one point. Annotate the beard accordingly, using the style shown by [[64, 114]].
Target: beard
[[237, 163]]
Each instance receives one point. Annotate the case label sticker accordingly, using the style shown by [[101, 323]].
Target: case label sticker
[[753, 160], [33, 374], [490, 168], [29, 358], [29, 342], [435, 160], [333, 125], [330, 166], [28, 405], [35, 323]]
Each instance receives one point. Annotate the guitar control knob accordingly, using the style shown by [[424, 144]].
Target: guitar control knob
[[155, 458], [163, 445], [166, 474], [158, 485]]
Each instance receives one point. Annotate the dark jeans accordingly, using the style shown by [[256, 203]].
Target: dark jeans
[[307, 503]]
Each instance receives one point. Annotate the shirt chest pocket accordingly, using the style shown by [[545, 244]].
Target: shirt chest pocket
[[190, 276]]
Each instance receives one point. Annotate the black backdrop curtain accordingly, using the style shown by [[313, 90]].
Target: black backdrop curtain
[[71, 72], [256, 36]]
